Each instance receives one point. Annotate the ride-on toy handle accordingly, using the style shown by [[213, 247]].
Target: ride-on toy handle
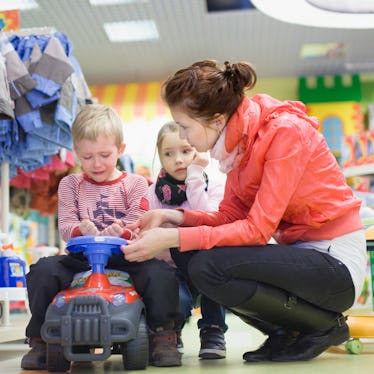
[[97, 249]]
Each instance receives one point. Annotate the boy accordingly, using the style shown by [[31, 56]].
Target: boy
[[102, 201]]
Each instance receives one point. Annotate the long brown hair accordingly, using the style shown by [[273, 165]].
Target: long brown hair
[[206, 89]]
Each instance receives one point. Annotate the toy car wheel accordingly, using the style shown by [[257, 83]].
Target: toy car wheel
[[56, 360], [354, 346], [135, 351]]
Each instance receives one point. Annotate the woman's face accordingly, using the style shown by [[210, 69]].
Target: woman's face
[[200, 136]]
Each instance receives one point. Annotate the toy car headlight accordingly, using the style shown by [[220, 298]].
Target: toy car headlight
[[118, 299], [60, 301]]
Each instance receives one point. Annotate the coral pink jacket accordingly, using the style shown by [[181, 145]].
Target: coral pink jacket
[[288, 185]]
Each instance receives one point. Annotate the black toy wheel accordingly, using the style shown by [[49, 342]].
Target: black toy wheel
[[56, 360], [135, 351]]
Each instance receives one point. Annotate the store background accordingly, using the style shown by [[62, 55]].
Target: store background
[[189, 31], [128, 74]]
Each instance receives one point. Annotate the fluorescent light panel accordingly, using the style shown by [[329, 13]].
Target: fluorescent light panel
[[131, 31], [18, 4], [114, 2]]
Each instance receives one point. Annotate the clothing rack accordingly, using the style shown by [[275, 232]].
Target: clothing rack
[[5, 181], [46, 30], [8, 294]]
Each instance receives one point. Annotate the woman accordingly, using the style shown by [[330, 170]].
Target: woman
[[282, 183]]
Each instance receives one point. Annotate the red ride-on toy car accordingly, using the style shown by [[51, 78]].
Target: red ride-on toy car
[[91, 322]]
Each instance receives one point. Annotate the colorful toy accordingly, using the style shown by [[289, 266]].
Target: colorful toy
[[359, 327], [91, 322]]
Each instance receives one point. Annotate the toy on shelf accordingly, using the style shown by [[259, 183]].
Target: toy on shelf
[[93, 321], [362, 326], [359, 327], [12, 279]]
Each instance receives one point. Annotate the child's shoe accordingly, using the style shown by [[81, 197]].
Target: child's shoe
[[213, 345], [163, 349], [36, 358]]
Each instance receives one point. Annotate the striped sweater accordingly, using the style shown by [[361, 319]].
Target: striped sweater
[[124, 198]]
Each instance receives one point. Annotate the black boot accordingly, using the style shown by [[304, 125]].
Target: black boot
[[308, 346], [317, 329], [276, 342], [277, 339]]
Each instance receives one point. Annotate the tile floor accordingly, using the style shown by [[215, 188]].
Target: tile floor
[[239, 337]]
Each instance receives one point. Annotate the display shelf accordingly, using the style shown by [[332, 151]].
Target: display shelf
[[16, 329], [358, 170], [8, 294]]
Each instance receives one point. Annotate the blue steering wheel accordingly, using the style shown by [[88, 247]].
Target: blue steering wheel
[[96, 248]]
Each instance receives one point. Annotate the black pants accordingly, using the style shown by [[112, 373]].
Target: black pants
[[230, 275], [154, 280]]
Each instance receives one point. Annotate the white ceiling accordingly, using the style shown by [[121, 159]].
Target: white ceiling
[[188, 33]]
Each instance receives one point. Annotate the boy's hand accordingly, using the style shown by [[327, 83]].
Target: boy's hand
[[87, 228], [114, 229]]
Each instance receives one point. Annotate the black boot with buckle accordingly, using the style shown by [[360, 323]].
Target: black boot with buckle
[[297, 330]]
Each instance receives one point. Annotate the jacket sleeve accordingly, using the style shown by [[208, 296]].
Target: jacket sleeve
[[197, 195], [236, 225]]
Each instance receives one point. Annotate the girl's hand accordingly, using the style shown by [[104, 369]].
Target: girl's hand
[[87, 228], [200, 159], [150, 244]]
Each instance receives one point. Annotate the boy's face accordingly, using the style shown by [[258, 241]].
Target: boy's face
[[99, 158]]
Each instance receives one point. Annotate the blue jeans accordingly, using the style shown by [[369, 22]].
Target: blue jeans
[[211, 312]]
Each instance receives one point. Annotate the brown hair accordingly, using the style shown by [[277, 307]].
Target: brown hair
[[206, 89]]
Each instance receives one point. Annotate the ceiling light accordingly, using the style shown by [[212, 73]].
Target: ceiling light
[[323, 50], [18, 4], [114, 2], [130, 31], [308, 13]]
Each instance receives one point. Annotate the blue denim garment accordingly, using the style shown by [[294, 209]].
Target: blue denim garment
[[45, 111]]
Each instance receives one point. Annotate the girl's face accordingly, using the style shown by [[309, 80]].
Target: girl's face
[[201, 137], [176, 155], [99, 158]]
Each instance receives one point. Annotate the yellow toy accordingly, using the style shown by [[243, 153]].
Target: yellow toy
[[359, 327]]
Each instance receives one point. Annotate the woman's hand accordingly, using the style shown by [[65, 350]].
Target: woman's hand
[[88, 228], [150, 244], [156, 218]]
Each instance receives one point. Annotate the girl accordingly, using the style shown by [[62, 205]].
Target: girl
[[182, 183]]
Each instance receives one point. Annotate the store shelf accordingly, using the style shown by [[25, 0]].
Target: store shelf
[[358, 170], [16, 328], [8, 294]]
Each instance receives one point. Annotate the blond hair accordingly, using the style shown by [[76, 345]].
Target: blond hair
[[97, 119], [168, 127]]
